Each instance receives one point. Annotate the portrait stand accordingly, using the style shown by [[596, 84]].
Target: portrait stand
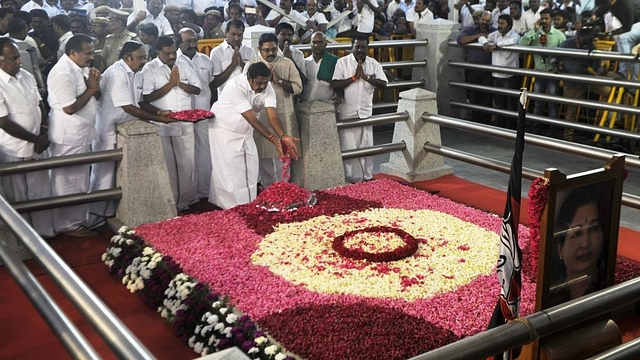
[[577, 255]]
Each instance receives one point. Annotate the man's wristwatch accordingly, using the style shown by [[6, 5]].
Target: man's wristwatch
[[280, 81]]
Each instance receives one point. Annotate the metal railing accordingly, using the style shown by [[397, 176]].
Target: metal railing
[[101, 318], [370, 121], [58, 162], [539, 325], [629, 200]]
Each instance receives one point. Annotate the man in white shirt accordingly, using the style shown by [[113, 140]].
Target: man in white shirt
[[284, 32], [121, 93], [357, 75], [62, 27], [367, 10], [502, 8], [169, 85], [344, 27], [286, 83], [72, 87], [532, 15], [504, 36], [228, 58], [23, 135], [318, 86], [515, 10], [202, 66], [316, 21], [274, 17], [233, 149], [418, 14], [467, 8], [153, 14]]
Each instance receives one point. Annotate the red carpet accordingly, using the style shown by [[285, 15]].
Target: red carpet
[[21, 323]]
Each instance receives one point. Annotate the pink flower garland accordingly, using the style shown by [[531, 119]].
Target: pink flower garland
[[194, 115], [538, 195]]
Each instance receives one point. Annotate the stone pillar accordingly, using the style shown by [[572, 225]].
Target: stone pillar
[[320, 166], [414, 163], [437, 73], [142, 175]]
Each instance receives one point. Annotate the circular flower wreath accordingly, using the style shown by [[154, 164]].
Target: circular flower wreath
[[409, 248]]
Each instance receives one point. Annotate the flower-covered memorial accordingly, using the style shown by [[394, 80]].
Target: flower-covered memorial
[[376, 270]]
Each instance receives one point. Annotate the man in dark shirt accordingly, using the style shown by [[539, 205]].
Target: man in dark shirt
[[577, 66], [628, 12], [470, 35], [47, 38]]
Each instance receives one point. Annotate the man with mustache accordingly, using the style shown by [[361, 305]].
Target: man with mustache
[[73, 88], [357, 76], [168, 84], [231, 134], [228, 58], [544, 34], [504, 36], [188, 52], [23, 135], [470, 35], [121, 90], [286, 83]]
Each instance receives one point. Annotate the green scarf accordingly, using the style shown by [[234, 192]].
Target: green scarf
[[327, 65]]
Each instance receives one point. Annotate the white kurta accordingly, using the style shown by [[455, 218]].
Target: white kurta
[[233, 150], [315, 89], [69, 134], [221, 56], [177, 138], [358, 103], [19, 99], [120, 86], [204, 69]]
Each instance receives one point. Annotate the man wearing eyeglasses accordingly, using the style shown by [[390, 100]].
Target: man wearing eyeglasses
[[286, 83]]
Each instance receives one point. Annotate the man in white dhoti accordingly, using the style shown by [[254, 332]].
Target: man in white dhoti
[[233, 149], [23, 135], [73, 87], [202, 66], [121, 93], [286, 83], [358, 75], [169, 84]]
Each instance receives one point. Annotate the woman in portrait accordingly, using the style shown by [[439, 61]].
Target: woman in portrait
[[579, 264]]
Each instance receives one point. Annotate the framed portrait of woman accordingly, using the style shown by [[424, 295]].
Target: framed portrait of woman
[[579, 233]]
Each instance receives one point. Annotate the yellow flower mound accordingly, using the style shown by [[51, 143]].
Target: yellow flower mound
[[454, 253]]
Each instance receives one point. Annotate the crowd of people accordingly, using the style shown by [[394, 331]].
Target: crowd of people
[[563, 25], [100, 64]]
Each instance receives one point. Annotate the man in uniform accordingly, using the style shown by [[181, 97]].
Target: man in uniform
[[169, 84], [358, 75], [73, 87], [286, 83], [233, 148], [119, 35], [23, 135]]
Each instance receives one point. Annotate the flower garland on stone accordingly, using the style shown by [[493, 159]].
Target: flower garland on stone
[[409, 247], [188, 305], [538, 195]]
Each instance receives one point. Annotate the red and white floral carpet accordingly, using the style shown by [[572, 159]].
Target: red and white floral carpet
[[375, 270]]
